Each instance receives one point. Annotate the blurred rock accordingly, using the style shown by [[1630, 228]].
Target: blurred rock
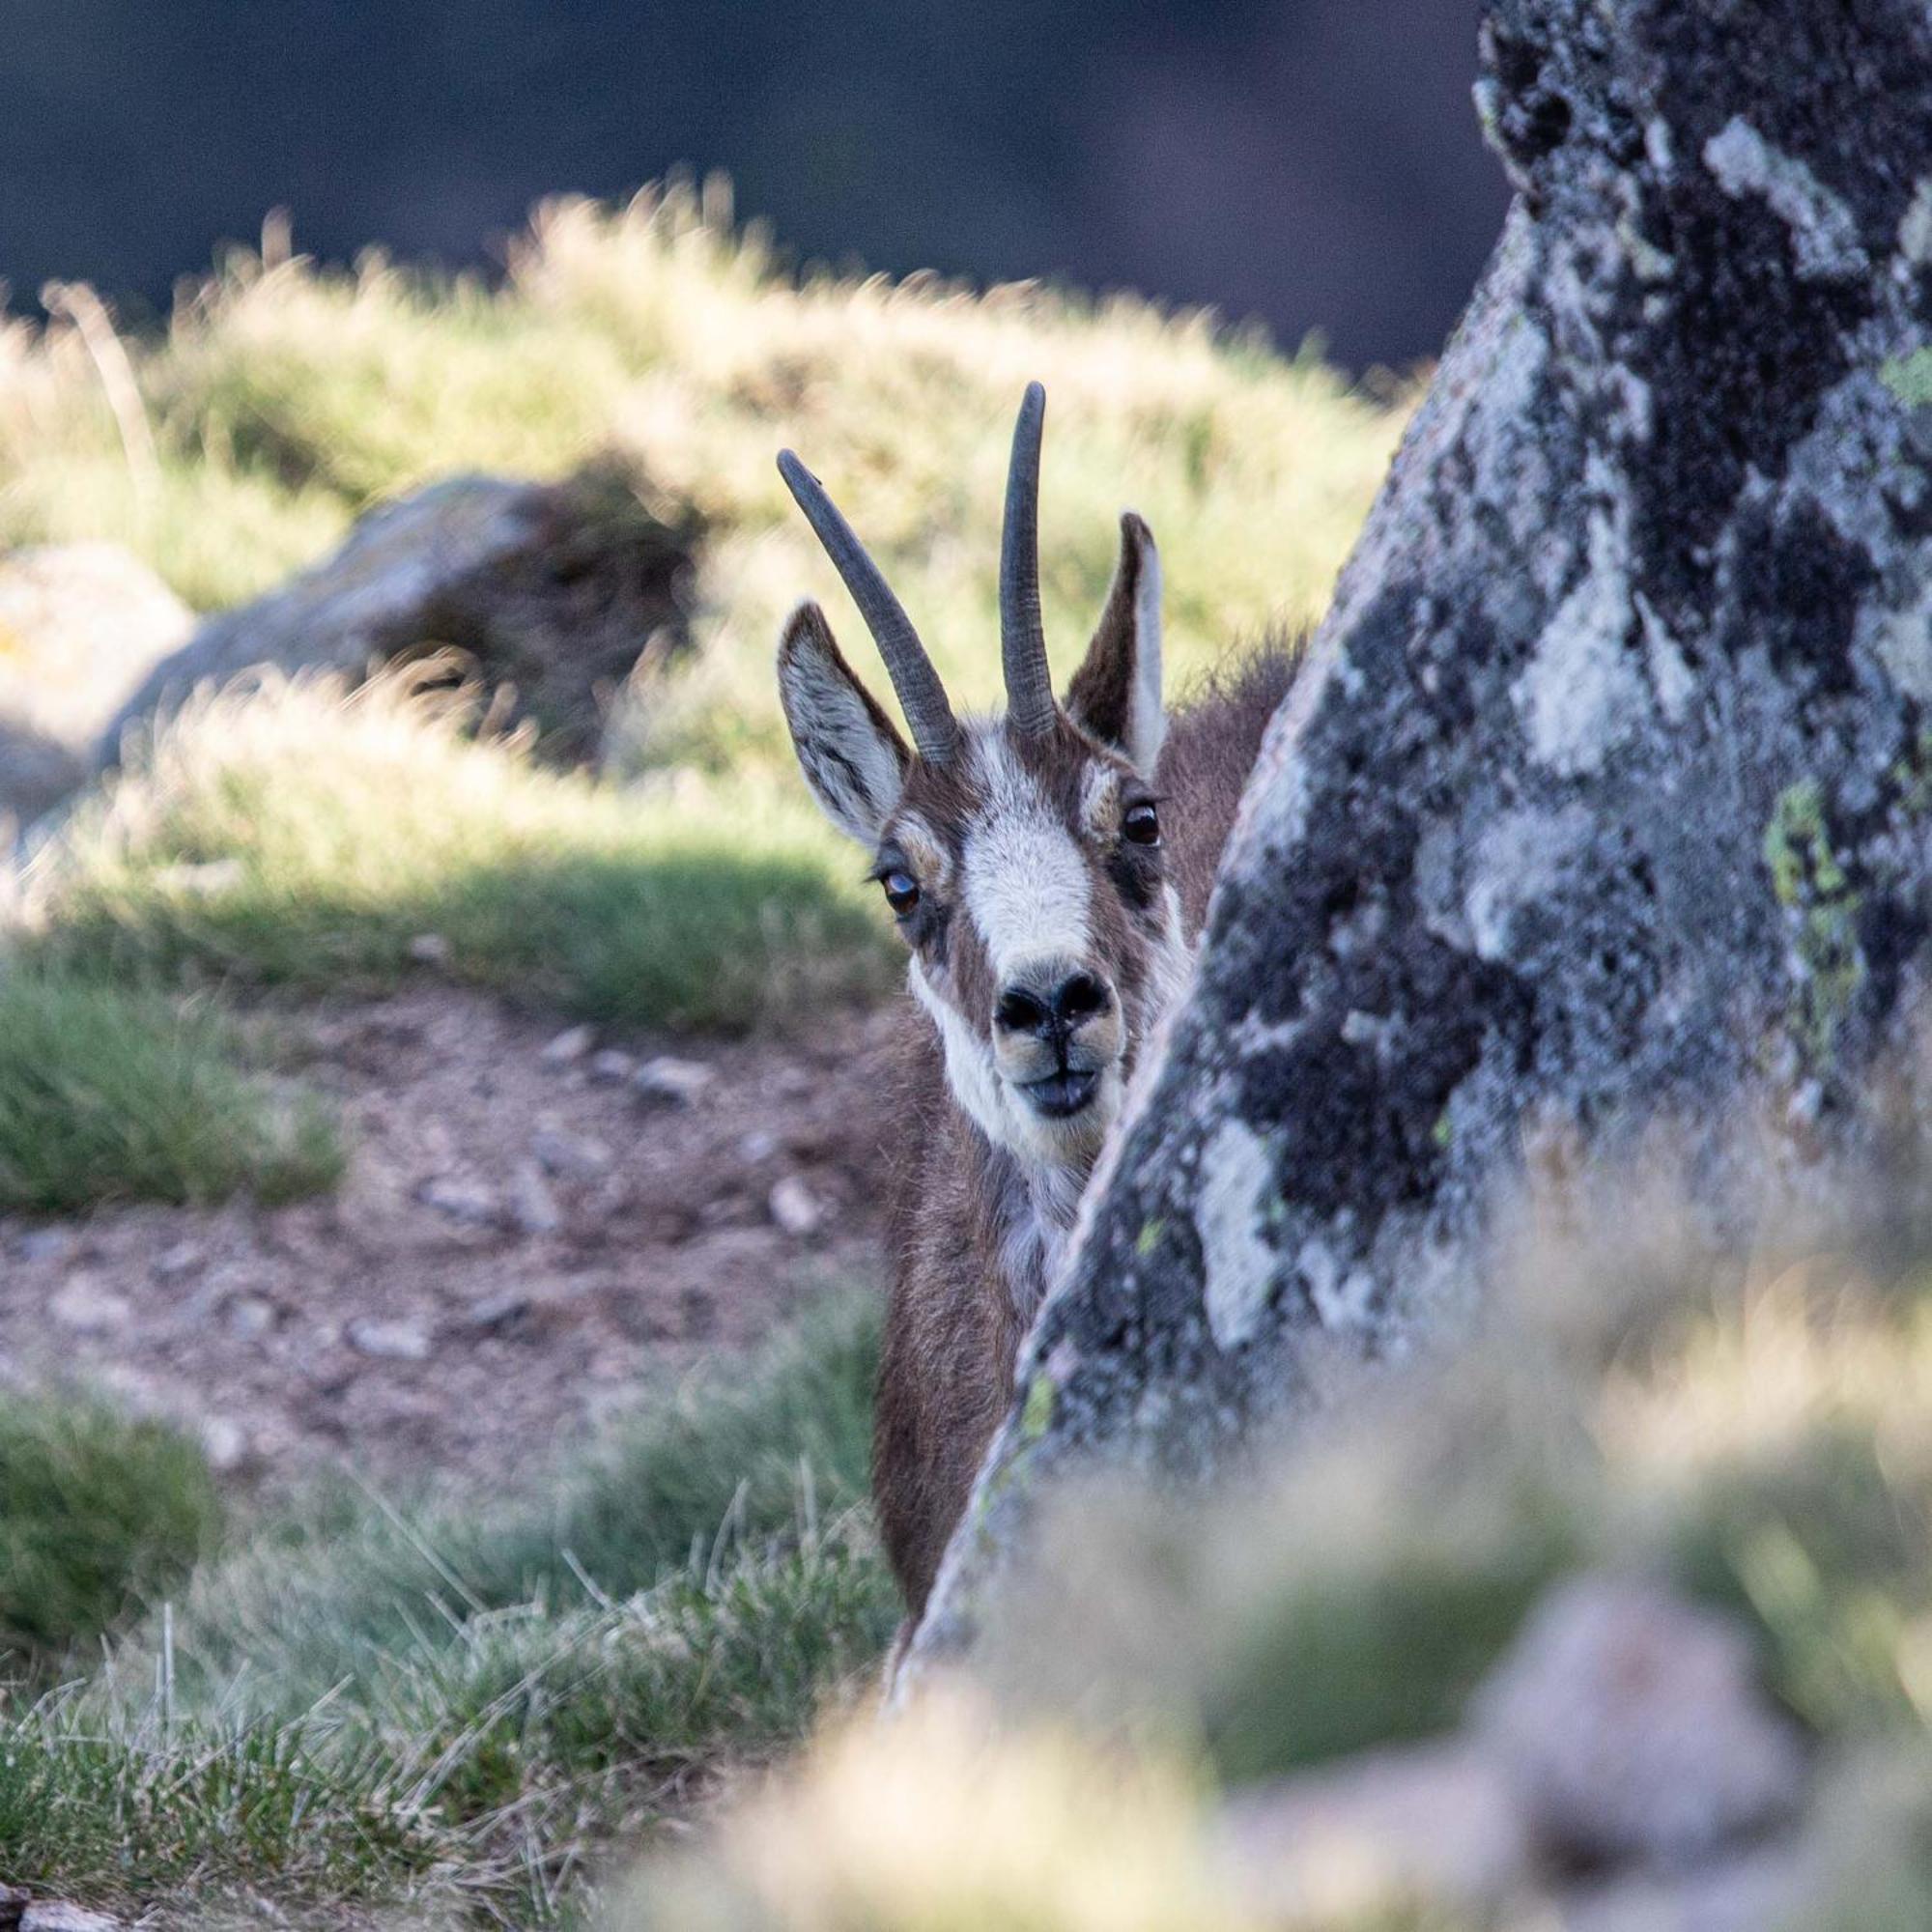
[[249, 1317], [49, 1915], [466, 1200], [389, 1341], [1437, 1820], [89, 1309], [225, 1443], [1768, 1886], [534, 1206], [569, 1046], [80, 625], [429, 949], [668, 1081], [795, 1207], [43, 1244], [551, 592], [612, 1066], [568, 1156], [1633, 1729], [757, 1146]]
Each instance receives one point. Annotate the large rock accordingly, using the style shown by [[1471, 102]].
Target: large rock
[[80, 626], [552, 589], [1605, 798]]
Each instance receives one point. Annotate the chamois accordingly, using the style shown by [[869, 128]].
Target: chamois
[[1049, 872]]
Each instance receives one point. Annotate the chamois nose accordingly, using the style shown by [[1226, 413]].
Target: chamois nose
[[1054, 1010]]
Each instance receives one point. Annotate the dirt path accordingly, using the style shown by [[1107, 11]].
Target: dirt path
[[523, 1234]]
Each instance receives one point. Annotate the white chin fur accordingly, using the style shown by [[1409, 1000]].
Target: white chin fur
[[1005, 1116]]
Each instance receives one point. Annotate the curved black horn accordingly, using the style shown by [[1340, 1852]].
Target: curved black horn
[[922, 697], [1030, 705]]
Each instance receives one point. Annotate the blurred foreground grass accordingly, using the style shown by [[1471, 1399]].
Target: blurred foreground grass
[[445, 1708], [440, 1707]]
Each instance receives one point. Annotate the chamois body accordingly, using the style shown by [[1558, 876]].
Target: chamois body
[[1049, 871], [975, 1230]]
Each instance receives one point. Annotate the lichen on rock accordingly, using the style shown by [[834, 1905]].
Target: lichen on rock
[[1602, 797]]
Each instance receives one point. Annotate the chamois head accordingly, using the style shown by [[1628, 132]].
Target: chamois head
[[1020, 855]]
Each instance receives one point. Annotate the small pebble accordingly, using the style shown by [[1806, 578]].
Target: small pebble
[[532, 1206], [794, 1206], [568, 1156], [612, 1066], [52, 1915], [180, 1258], [225, 1443], [249, 1317], [667, 1081], [569, 1046], [389, 1341], [430, 948], [466, 1201], [89, 1310], [757, 1146]]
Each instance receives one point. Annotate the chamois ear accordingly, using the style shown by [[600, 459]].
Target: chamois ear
[[1115, 694], [853, 760]]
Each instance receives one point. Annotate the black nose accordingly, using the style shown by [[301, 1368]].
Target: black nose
[[1052, 1014]]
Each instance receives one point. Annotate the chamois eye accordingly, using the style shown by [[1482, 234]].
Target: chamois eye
[[1142, 824], [902, 892]]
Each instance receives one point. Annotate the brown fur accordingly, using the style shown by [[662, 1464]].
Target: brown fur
[[953, 1322]]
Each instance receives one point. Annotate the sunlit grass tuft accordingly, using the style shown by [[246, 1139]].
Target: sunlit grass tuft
[[305, 837], [285, 399]]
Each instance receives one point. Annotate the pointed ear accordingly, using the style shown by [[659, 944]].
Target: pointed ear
[[1115, 694], [853, 760]]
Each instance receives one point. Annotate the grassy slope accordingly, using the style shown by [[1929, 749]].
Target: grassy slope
[[445, 1706], [307, 840]]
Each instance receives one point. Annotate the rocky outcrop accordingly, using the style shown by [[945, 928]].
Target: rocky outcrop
[[80, 626], [551, 591], [1605, 795]]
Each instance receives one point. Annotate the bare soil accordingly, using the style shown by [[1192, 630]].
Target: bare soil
[[428, 1321]]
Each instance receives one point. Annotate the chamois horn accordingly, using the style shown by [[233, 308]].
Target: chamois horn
[[922, 697], [1030, 703]]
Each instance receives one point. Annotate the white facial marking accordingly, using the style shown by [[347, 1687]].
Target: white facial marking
[[1099, 799], [926, 850], [1025, 883], [969, 1062]]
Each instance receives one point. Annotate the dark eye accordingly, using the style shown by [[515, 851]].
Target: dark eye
[[1142, 824], [902, 892]]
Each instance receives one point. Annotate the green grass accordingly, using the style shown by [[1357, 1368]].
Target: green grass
[[285, 399], [443, 1708], [112, 1094], [99, 1516], [300, 836]]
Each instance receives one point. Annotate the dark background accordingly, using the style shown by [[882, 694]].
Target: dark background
[[1312, 163]]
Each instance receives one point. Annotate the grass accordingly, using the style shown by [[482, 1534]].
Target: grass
[[303, 837], [99, 1515], [296, 838], [444, 1710], [284, 400], [112, 1094]]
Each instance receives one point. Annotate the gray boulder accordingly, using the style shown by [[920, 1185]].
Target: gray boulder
[[1605, 798], [552, 591], [80, 626]]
